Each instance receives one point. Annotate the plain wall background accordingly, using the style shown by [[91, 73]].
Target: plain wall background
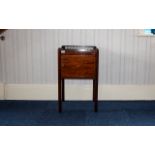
[[30, 56]]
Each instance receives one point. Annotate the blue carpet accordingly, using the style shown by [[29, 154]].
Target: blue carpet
[[79, 113]]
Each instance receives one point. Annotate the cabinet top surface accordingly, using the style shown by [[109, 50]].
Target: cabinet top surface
[[78, 48]]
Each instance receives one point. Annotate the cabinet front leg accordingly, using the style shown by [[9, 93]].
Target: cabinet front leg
[[59, 96], [63, 90], [95, 95]]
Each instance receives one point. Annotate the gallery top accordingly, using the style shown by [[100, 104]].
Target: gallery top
[[78, 48]]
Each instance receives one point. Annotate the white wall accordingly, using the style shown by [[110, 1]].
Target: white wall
[[30, 56], [1, 71]]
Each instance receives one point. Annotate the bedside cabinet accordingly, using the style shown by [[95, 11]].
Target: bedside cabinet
[[77, 62]]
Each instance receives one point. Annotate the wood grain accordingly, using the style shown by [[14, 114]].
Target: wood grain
[[78, 66]]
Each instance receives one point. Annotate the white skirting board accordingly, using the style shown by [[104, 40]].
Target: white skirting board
[[1, 91], [76, 92]]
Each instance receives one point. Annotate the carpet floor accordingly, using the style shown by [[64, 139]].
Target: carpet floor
[[77, 113]]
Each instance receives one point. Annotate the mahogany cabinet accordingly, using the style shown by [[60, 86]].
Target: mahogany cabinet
[[77, 62]]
